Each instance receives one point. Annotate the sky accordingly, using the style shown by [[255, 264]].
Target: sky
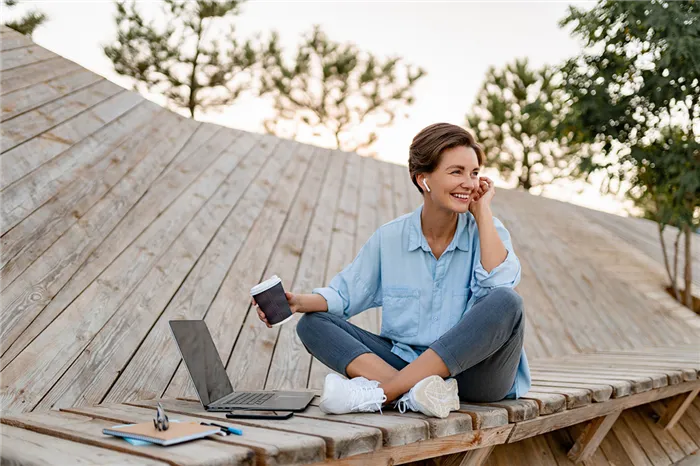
[[455, 42]]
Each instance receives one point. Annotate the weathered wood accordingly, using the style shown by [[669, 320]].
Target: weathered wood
[[575, 397], [599, 393], [342, 440], [271, 447], [88, 430], [28, 193], [431, 448], [250, 359], [485, 416], [676, 409], [646, 440], [658, 378], [342, 250], [57, 347], [634, 364], [518, 410], [29, 98], [14, 40], [544, 424], [587, 443], [662, 436], [133, 319], [26, 76], [29, 156], [620, 387], [549, 403], [32, 123], [476, 457], [23, 56], [150, 205], [685, 439], [22, 446]]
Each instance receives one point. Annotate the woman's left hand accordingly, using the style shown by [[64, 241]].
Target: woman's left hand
[[485, 193]]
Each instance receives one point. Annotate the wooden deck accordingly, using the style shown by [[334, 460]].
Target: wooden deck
[[118, 216]]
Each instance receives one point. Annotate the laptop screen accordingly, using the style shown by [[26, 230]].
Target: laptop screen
[[202, 359]]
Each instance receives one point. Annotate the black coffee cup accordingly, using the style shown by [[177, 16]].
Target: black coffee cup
[[272, 301]]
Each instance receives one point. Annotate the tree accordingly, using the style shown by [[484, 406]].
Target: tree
[[635, 93], [331, 89], [515, 117], [27, 23], [178, 60]]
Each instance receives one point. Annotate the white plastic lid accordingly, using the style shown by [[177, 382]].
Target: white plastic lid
[[266, 285]]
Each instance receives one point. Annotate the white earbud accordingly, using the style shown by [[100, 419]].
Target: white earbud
[[426, 185]]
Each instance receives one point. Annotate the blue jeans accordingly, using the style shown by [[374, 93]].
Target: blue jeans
[[482, 351]]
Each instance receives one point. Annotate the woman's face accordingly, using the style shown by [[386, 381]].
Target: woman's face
[[454, 181]]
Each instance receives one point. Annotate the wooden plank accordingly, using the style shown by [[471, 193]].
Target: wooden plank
[[25, 195], [453, 424], [597, 458], [27, 157], [544, 424], [47, 357], [599, 393], [575, 397], [30, 124], [29, 98], [272, 447], [21, 446], [687, 373], [660, 377], [688, 443], [614, 451], [150, 205], [639, 379], [662, 436], [26, 76], [14, 41], [341, 250], [137, 315], [476, 457], [646, 440], [587, 443], [262, 203], [676, 409], [484, 416], [342, 440], [518, 410], [558, 441], [86, 430], [548, 403], [396, 430], [620, 387], [24, 56], [26, 297], [430, 448]]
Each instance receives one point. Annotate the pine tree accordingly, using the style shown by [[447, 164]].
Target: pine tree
[[27, 23]]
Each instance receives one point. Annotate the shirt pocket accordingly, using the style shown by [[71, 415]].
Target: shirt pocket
[[459, 304], [400, 312]]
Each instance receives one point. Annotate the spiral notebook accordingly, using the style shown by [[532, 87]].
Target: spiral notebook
[[178, 432]]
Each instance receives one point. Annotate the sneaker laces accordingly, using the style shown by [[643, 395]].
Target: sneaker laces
[[404, 403], [359, 393]]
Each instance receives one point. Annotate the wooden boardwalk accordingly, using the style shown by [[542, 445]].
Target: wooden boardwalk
[[117, 216]]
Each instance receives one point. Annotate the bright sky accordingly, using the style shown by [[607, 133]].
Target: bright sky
[[454, 42]]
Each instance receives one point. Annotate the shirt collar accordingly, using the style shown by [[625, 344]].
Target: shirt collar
[[416, 239]]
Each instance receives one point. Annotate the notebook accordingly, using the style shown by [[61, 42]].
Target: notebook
[[178, 432]]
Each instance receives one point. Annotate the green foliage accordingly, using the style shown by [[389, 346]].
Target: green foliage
[[515, 117], [177, 59], [635, 94], [329, 89], [27, 23]]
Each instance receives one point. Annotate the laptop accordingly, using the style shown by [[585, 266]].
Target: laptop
[[209, 376]]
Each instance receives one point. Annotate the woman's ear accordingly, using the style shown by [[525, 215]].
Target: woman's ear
[[424, 183]]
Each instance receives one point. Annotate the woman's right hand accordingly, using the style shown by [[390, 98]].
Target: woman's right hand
[[292, 299]]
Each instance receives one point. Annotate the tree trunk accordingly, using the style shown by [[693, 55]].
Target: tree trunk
[[674, 285], [688, 268]]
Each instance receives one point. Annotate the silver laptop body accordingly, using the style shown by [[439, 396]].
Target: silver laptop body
[[209, 377]]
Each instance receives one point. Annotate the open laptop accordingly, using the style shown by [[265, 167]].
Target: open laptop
[[211, 381]]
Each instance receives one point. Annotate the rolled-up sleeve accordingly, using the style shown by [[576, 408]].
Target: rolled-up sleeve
[[507, 273], [358, 286]]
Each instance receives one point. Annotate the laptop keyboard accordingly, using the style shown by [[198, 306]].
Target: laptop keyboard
[[251, 399]]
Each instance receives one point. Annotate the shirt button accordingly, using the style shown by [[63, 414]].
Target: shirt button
[[435, 318]]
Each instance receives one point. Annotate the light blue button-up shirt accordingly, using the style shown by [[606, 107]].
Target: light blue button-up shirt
[[422, 297]]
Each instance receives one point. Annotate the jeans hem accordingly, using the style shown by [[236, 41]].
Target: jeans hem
[[447, 357]]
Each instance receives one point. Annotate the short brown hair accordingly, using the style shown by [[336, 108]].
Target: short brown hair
[[427, 147]]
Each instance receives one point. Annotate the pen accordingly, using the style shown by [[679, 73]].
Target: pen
[[230, 430]]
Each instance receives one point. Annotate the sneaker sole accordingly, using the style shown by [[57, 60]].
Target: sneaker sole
[[437, 397]]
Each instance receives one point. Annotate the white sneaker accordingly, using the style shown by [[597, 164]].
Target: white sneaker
[[357, 395], [432, 396]]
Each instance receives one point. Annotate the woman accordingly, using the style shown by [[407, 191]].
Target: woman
[[452, 325]]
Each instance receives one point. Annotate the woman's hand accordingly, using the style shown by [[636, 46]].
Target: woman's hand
[[292, 299], [485, 193]]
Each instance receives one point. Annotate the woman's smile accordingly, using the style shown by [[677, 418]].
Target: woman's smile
[[462, 197]]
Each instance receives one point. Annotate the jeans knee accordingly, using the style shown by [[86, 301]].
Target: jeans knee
[[308, 325], [511, 302]]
